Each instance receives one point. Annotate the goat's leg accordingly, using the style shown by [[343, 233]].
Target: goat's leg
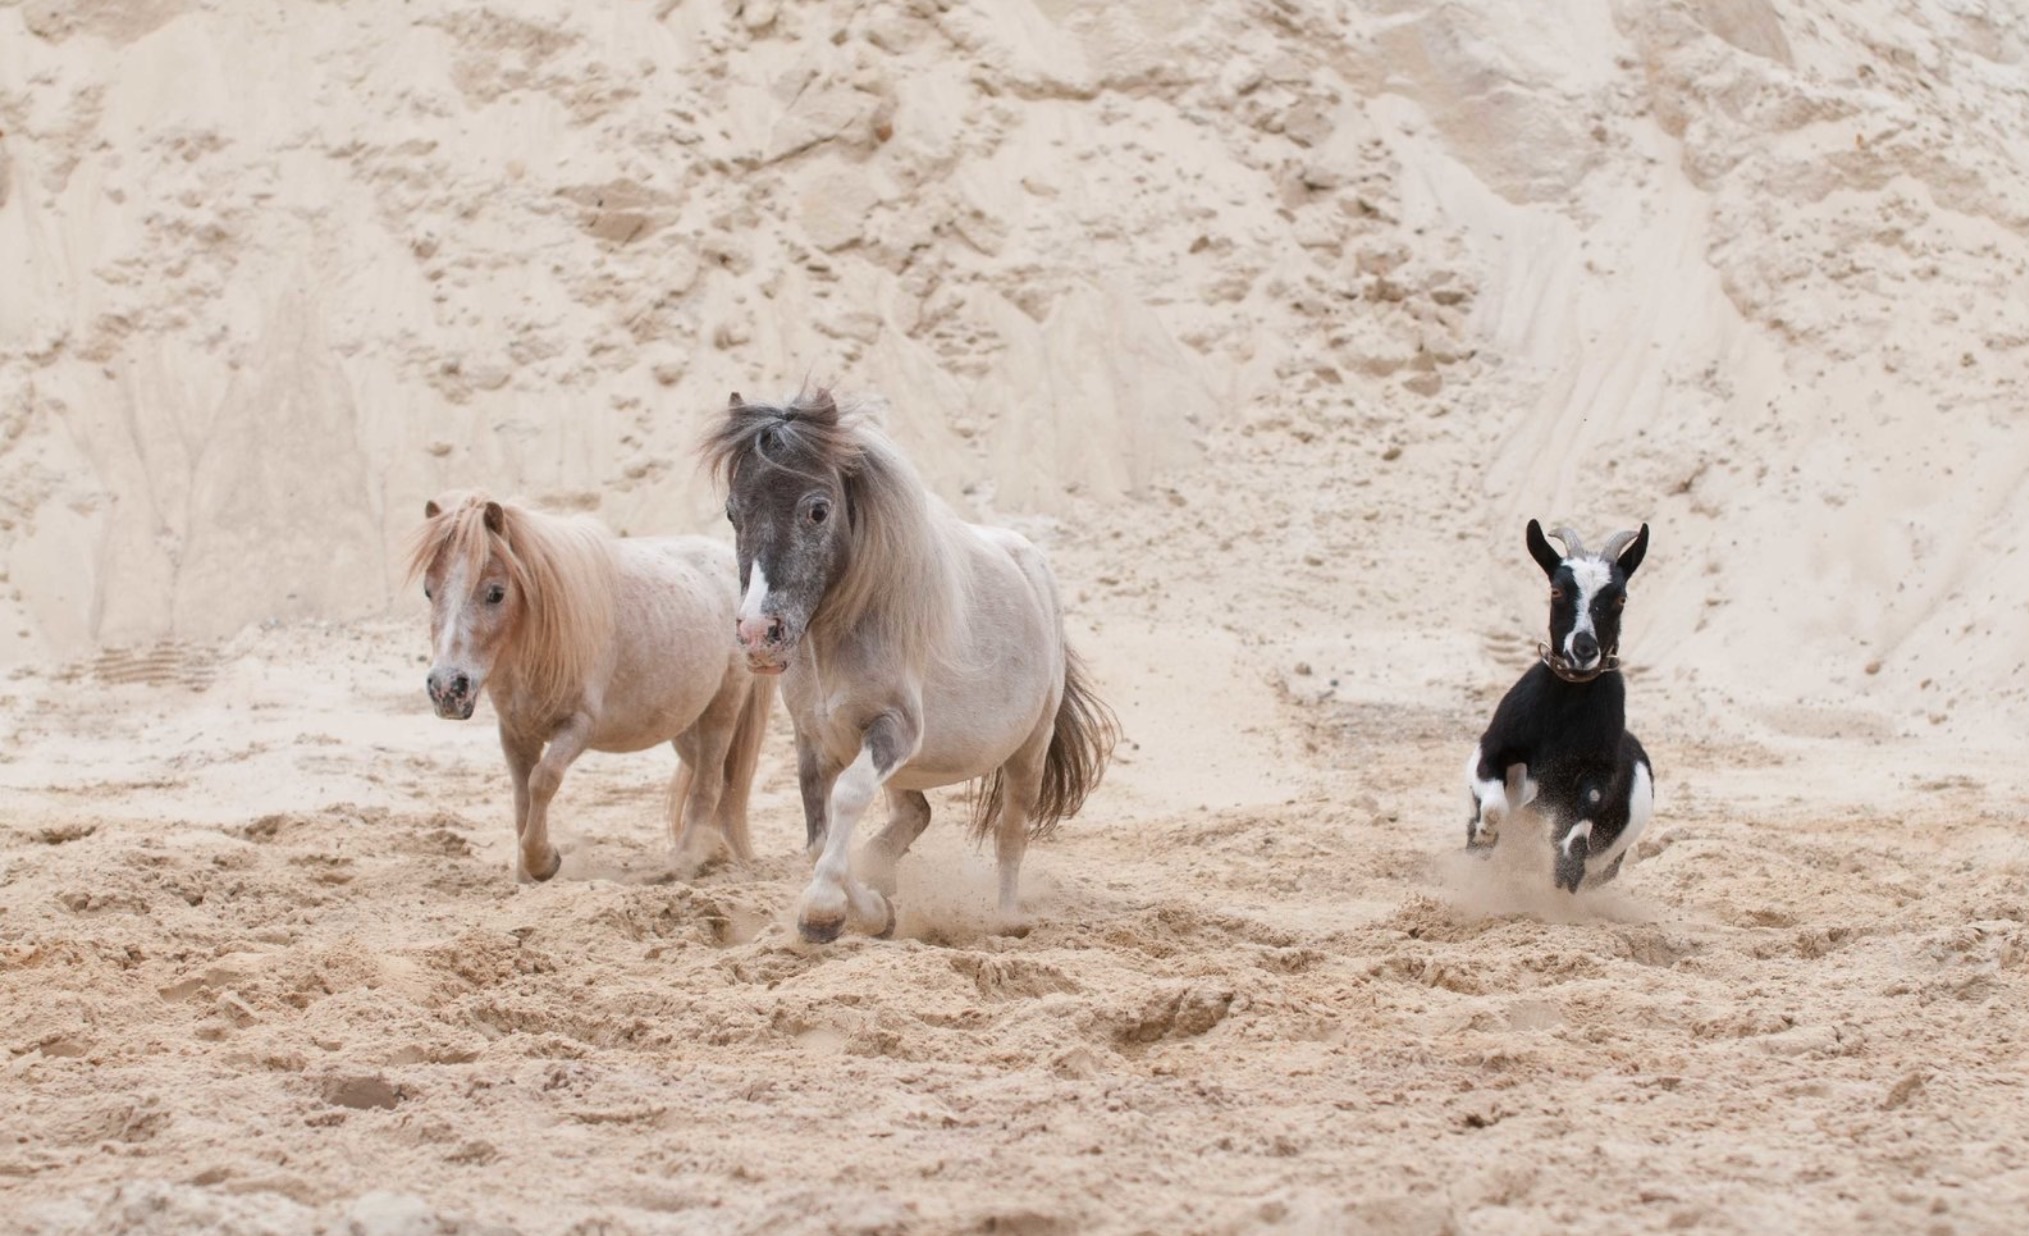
[[1495, 793], [1574, 843]]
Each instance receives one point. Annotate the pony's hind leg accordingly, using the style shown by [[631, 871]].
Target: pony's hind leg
[[679, 793], [743, 750], [908, 816], [702, 750], [1021, 786]]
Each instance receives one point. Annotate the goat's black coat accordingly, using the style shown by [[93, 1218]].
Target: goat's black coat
[[1573, 738], [1565, 722]]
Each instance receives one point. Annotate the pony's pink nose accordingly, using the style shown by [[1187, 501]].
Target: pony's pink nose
[[759, 632]]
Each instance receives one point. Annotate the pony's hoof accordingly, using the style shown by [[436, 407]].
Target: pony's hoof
[[887, 931], [819, 931], [541, 874], [823, 913]]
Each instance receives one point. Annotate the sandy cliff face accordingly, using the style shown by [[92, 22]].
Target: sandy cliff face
[[1752, 273]]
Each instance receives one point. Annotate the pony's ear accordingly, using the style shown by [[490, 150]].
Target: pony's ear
[[735, 403], [1631, 557], [1539, 549], [820, 405], [496, 519], [431, 510]]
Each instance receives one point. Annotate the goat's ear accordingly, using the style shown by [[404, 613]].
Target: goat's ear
[[1539, 549], [496, 519], [431, 510], [1631, 557]]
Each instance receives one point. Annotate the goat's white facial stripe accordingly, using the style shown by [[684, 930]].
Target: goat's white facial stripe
[[1581, 831], [757, 594], [1591, 575]]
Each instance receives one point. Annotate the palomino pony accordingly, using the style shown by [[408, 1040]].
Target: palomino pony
[[587, 640], [917, 651]]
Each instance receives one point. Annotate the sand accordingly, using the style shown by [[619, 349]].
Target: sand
[[1272, 322]]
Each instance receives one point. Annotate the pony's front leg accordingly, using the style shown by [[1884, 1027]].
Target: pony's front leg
[[521, 757], [834, 896], [539, 859], [908, 816], [815, 776]]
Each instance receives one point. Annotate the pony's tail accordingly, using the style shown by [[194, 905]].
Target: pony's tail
[[1080, 746], [741, 759]]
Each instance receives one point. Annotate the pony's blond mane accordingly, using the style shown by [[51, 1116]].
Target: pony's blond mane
[[904, 581], [561, 566]]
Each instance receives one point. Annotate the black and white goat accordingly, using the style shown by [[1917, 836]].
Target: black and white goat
[[1559, 739]]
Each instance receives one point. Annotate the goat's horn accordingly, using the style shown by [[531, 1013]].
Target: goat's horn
[[1615, 543], [1573, 547]]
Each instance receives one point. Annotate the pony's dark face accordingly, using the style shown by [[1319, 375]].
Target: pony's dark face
[[474, 611], [1587, 594], [791, 531]]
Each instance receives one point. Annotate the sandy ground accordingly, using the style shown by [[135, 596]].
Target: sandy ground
[[1272, 322], [285, 981]]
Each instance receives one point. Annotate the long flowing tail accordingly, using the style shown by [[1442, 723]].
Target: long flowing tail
[[1080, 747], [741, 758]]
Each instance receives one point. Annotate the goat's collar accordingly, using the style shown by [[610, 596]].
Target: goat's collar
[[1608, 664]]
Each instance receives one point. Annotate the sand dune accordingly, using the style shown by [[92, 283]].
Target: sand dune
[[1272, 321]]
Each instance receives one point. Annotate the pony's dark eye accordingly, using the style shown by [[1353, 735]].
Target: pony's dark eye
[[495, 595], [730, 517], [819, 512], [427, 594]]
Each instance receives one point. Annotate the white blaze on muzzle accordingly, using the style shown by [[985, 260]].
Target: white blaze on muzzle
[[454, 644], [1591, 575], [753, 621]]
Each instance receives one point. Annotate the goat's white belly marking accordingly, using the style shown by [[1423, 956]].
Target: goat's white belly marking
[[1641, 805]]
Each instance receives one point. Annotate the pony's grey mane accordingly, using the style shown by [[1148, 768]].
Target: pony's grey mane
[[903, 581], [562, 568]]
